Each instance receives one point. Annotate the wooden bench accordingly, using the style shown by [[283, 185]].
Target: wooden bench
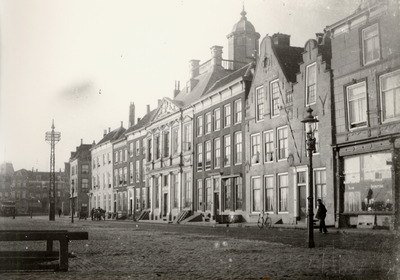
[[38, 260]]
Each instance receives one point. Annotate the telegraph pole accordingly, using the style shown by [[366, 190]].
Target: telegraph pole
[[52, 138]]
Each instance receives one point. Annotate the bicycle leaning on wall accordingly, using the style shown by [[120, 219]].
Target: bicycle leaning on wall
[[264, 220]]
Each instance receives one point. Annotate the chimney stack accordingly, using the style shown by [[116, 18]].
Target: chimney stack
[[148, 109], [109, 129], [176, 90], [105, 132], [159, 101], [81, 141], [131, 114], [138, 120], [194, 69], [122, 123], [216, 57]]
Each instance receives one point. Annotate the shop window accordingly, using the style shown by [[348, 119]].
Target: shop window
[[368, 183]]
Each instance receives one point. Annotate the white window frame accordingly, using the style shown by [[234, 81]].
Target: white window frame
[[255, 153], [394, 101], [279, 192], [278, 142], [227, 117], [208, 156], [217, 119], [199, 125], [266, 187], [309, 85], [237, 108], [267, 157], [273, 98], [207, 125], [217, 153], [227, 148], [362, 123], [253, 209], [364, 39], [260, 103], [238, 147]]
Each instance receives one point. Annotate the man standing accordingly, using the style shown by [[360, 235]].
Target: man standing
[[321, 214]]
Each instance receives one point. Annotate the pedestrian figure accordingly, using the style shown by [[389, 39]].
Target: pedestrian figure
[[321, 214], [59, 212], [92, 213]]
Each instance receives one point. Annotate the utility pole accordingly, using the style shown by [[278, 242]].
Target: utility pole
[[52, 138]]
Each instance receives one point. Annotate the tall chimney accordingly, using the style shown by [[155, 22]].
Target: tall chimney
[[122, 123], [176, 90], [216, 57], [138, 120], [109, 129], [194, 68], [105, 132], [148, 109], [131, 114], [81, 141]]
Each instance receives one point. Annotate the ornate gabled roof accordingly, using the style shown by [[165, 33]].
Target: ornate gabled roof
[[289, 59], [113, 135], [244, 72], [83, 151], [205, 81], [143, 122]]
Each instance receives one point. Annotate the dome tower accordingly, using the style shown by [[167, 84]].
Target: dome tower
[[243, 41]]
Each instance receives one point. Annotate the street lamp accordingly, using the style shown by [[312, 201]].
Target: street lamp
[[309, 121], [72, 202]]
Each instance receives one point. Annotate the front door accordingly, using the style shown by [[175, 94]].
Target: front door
[[216, 204], [303, 203], [165, 208]]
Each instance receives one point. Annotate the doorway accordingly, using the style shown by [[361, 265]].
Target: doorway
[[165, 205], [302, 203], [216, 204]]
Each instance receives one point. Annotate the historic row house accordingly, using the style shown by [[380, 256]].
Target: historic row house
[[138, 190], [366, 85], [219, 135], [80, 178], [102, 192]]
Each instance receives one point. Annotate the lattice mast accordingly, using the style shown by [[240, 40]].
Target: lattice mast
[[52, 138]]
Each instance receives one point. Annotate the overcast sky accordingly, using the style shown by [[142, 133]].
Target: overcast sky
[[81, 62]]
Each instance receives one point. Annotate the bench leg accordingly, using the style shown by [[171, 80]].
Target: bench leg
[[49, 247], [63, 255]]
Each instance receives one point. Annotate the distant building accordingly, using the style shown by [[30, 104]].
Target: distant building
[[30, 191]]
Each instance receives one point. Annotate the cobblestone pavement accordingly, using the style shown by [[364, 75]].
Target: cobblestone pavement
[[129, 250]]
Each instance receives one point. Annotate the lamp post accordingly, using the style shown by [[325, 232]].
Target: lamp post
[[308, 121], [30, 207], [72, 202]]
